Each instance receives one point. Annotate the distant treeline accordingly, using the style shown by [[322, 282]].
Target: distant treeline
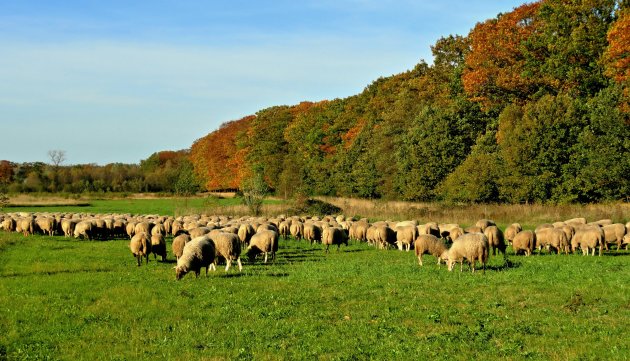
[[530, 106], [166, 172]]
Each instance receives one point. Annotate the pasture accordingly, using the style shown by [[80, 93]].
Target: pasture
[[74, 299]]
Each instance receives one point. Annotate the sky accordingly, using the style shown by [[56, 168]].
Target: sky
[[115, 81]]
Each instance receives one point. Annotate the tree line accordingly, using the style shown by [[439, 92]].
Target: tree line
[[530, 106], [164, 172]]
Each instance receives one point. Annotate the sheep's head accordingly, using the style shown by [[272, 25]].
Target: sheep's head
[[180, 271], [450, 262]]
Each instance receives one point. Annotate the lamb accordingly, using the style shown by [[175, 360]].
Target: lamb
[[334, 235], [228, 246], [524, 241], [495, 239], [405, 236], [587, 238], [197, 253], [511, 231], [614, 233], [83, 229], [158, 246], [264, 241], [140, 247], [178, 244], [430, 244], [470, 246]]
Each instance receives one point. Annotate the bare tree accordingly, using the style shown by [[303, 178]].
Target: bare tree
[[57, 157]]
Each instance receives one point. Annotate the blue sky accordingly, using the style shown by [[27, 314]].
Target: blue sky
[[114, 81]]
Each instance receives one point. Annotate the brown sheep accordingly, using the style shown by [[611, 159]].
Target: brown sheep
[[524, 241], [495, 239], [430, 244]]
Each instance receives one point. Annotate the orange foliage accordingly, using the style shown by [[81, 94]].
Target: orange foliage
[[218, 158], [352, 133], [617, 55], [495, 61]]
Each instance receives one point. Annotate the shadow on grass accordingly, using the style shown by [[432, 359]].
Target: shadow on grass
[[55, 272], [507, 264]]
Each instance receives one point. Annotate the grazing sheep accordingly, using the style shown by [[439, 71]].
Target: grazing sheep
[[384, 236], [199, 231], [455, 233], [588, 238], [285, 228], [67, 226], [511, 231], [484, 223], [140, 247], [26, 226], [543, 226], [312, 233], [430, 244], [297, 230], [473, 229], [471, 246], [143, 227], [405, 236], [47, 225], [8, 224], [245, 233], [614, 233], [158, 229], [178, 244], [524, 241], [83, 229], [226, 245], [626, 241], [158, 246], [495, 239], [130, 228], [358, 231], [267, 227], [197, 253], [553, 238], [576, 221], [264, 241], [601, 222], [334, 235], [429, 228], [177, 228]]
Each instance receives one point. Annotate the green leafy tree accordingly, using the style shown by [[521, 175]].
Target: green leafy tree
[[255, 189]]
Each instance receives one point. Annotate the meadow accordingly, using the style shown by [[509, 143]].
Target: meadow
[[72, 299]]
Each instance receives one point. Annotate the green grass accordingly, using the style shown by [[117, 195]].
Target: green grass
[[68, 299]]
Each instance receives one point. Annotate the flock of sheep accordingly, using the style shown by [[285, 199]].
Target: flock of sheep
[[201, 241]]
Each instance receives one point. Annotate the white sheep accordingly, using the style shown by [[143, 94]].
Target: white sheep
[[405, 236], [197, 253], [332, 236], [83, 229], [178, 244], [140, 247], [471, 246], [524, 241], [264, 241], [226, 245], [430, 244]]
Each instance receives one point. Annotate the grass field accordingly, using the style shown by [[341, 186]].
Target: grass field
[[68, 299]]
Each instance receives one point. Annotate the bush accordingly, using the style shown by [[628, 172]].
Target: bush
[[311, 206]]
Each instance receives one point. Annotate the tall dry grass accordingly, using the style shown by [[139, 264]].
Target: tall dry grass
[[526, 214]]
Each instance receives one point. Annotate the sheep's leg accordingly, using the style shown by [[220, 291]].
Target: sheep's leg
[[240, 265], [420, 260], [212, 266], [228, 264]]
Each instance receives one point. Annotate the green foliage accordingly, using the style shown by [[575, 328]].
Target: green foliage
[[186, 184], [254, 190], [304, 205], [474, 181], [4, 200]]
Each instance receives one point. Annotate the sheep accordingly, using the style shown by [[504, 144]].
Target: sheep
[[178, 244], [312, 232], [429, 228], [8, 224], [158, 246], [484, 223], [334, 235], [614, 233], [264, 241], [405, 236], [553, 238], [626, 241], [144, 227], [228, 246], [511, 231], [358, 231], [285, 228], [543, 226], [177, 228], [601, 222], [471, 246], [384, 236], [47, 225], [297, 230], [158, 229], [576, 221], [430, 244], [495, 239], [455, 233], [130, 228], [245, 233], [140, 247], [197, 253], [473, 229], [199, 231], [524, 241], [83, 229], [67, 226], [587, 238], [26, 225]]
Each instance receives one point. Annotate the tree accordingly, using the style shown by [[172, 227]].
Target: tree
[[57, 157], [254, 189]]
